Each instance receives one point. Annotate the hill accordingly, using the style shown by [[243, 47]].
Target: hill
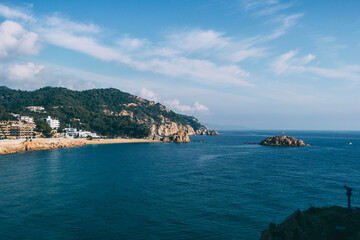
[[328, 223], [108, 112]]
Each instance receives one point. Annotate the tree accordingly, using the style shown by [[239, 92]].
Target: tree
[[44, 128]]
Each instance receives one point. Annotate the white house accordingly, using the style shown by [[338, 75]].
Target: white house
[[53, 123], [36, 108], [27, 119], [74, 133]]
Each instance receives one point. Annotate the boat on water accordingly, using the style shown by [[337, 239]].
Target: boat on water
[[349, 143]]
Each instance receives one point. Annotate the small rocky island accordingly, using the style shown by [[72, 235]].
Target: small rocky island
[[283, 141], [317, 224], [212, 133]]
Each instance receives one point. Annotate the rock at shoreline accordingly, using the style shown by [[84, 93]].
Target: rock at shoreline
[[212, 133], [179, 137], [283, 141], [317, 223], [30, 145], [38, 144]]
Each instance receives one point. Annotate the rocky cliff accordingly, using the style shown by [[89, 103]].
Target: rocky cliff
[[283, 141], [178, 137], [334, 223]]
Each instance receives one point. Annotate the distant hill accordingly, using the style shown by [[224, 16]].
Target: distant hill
[[108, 112]]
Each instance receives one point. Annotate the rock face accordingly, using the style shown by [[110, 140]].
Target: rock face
[[212, 133], [30, 145], [39, 144], [283, 141], [317, 224], [179, 137]]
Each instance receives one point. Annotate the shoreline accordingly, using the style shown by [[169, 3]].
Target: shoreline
[[9, 146], [121, 140]]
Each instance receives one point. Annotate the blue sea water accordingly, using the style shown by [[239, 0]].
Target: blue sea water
[[219, 189]]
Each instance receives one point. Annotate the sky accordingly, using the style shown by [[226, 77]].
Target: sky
[[233, 64]]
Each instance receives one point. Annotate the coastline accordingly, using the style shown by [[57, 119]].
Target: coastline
[[121, 140], [8, 146]]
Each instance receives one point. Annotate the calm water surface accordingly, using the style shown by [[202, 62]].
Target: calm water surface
[[220, 189]]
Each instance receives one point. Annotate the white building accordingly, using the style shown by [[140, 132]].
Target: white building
[[53, 123], [36, 108], [27, 119], [74, 133]]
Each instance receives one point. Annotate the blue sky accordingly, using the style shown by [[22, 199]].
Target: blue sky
[[259, 64]]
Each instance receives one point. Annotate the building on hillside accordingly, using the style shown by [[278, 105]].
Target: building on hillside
[[5, 129], [27, 119], [23, 118], [53, 123], [16, 129], [22, 130], [74, 133], [36, 108]]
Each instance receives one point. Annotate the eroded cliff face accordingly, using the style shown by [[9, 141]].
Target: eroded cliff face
[[170, 128], [161, 121], [178, 137]]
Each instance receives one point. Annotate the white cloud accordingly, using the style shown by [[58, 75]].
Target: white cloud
[[15, 41], [128, 44], [63, 24], [198, 40], [149, 95], [174, 104], [33, 76], [281, 64], [246, 53], [84, 44], [287, 64], [177, 106], [261, 8], [24, 72], [170, 64], [205, 56], [12, 13], [200, 107], [287, 22], [198, 70]]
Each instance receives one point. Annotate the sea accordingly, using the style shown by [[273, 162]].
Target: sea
[[216, 187]]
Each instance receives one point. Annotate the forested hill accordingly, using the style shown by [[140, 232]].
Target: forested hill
[[109, 112]]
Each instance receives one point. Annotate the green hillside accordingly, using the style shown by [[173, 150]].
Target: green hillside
[[109, 112]]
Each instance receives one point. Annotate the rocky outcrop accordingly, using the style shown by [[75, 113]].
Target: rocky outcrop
[[212, 133], [283, 141], [179, 137], [170, 128], [30, 145], [9, 146], [317, 224]]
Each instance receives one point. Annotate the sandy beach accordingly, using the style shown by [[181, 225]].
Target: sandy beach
[[20, 145]]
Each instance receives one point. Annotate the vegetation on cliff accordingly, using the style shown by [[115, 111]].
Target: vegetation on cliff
[[109, 112], [317, 224]]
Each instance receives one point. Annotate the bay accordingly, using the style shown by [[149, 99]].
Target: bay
[[214, 188]]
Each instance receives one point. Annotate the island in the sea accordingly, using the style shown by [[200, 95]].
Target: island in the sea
[[90, 115], [283, 141]]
